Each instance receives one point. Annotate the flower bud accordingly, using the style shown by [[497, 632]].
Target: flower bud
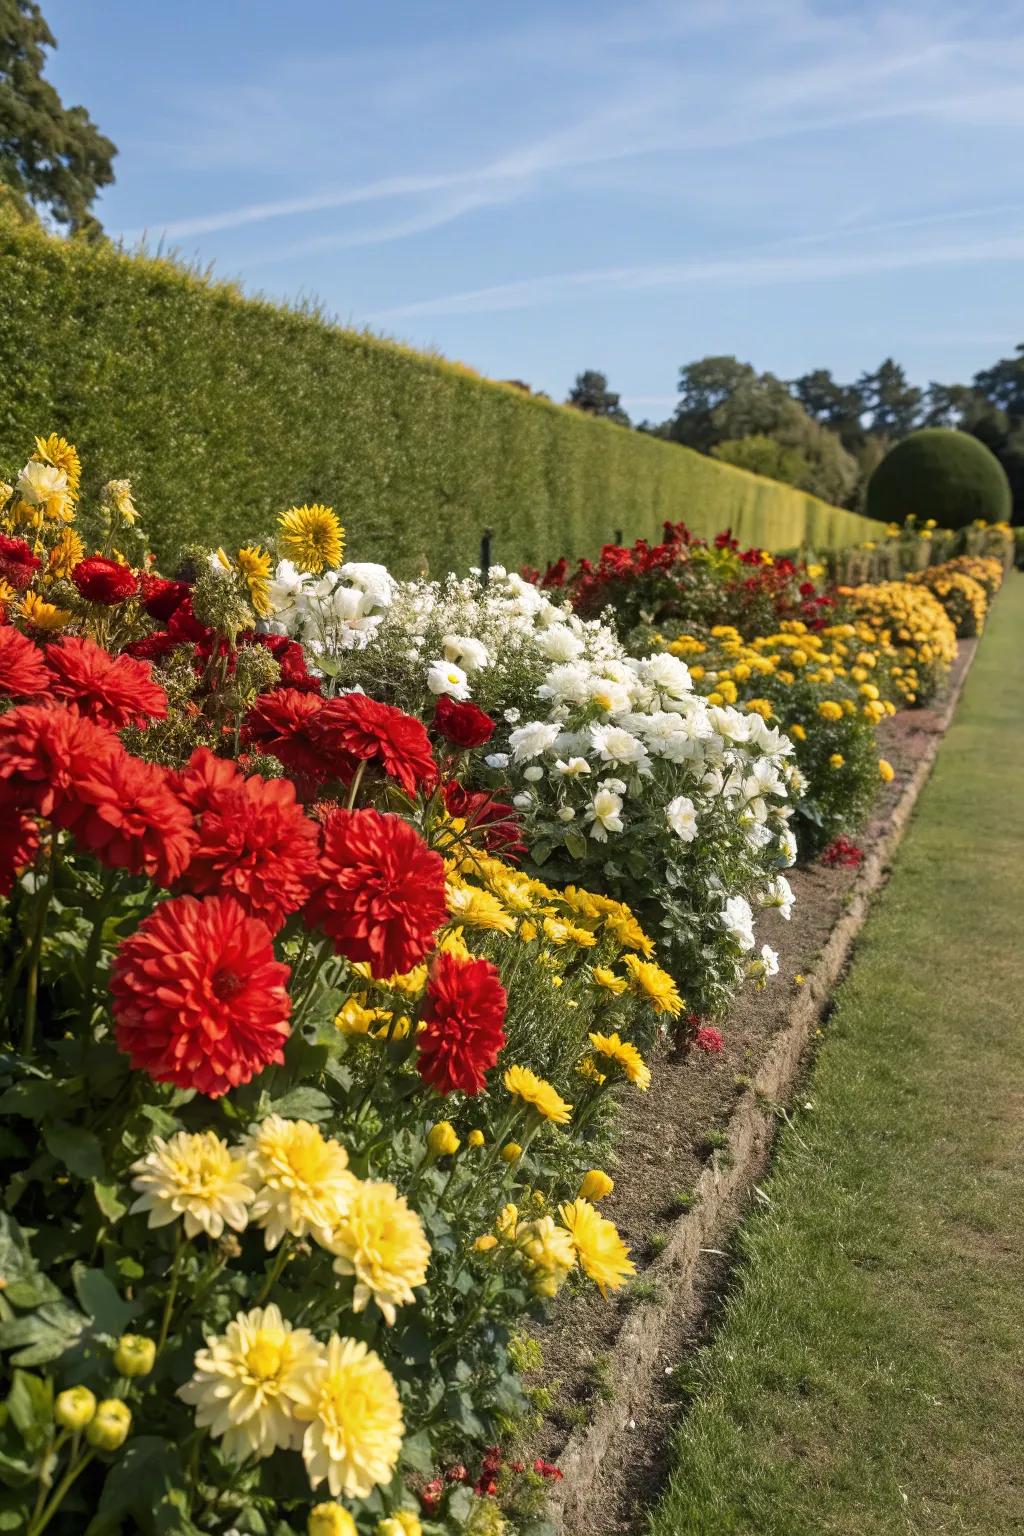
[[442, 1140], [596, 1185], [475, 1139], [511, 1152], [134, 1355], [330, 1520], [485, 1243], [74, 1408], [108, 1429]]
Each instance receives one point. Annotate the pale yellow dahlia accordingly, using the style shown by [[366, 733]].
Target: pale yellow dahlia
[[195, 1176], [354, 1430], [650, 981], [254, 564], [549, 1254], [312, 537], [63, 456], [248, 1380], [300, 1177], [381, 1242], [601, 1252], [625, 1056], [538, 1095]]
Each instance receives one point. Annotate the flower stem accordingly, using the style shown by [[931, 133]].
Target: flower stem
[[280, 1260], [40, 1522], [357, 779], [35, 955], [172, 1291]]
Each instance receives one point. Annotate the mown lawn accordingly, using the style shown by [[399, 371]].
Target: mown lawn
[[868, 1375]]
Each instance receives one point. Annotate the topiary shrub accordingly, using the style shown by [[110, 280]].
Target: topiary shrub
[[941, 474]]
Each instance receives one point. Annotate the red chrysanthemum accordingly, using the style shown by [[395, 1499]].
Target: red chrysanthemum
[[23, 673], [255, 841], [125, 812], [709, 1039], [199, 999], [19, 839], [465, 1017], [381, 897], [113, 690], [17, 562], [496, 824], [280, 723], [152, 647], [356, 728], [464, 725], [161, 597], [104, 581], [44, 751]]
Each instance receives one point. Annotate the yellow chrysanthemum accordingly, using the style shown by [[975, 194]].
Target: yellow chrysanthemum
[[601, 1252], [549, 1254], [196, 1177], [254, 564], [454, 944], [828, 709], [355, 1018], [301, 1179], [380, 1241], [538, 1095], [62, 455], [312, 537], [625, 1056], [596, 1185], [886, 771], [248, 1380], [477, 908], [650, 981], [560, 933], [66, 553], [623, 926], [354, 1421], [43, 615], [607, 979]]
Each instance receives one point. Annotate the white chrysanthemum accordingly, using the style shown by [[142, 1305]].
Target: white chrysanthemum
[[532, 739], [354, 1427], [248, 1381], [681, 815], [301, 1179], [380, 1241], [194, 1176]]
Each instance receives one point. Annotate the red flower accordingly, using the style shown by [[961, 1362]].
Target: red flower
[[161, 597], [104, 581], [709, 1040], [112, 690], [124, 812], [152, 647], [255, 841], [19, 839], [465, 1016], [44, 751], [496, 822], [23, 673], [430, 1496], [844, 853], [355, 728], [464, 725], [291, 659], [17, 562], [382, 896], [199, 999], [279, 723]]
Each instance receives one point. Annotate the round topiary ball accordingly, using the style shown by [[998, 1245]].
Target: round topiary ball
[[939, 473]]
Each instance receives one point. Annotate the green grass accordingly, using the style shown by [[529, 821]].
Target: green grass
[[867, 1374]]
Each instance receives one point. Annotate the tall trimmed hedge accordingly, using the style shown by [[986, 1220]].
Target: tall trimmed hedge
[[224, 410]]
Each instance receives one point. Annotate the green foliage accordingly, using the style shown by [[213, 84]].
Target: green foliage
[[942, 474], [764, 456], [225, 411]]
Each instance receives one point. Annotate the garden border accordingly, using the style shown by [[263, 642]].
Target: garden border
[[726, 1184]]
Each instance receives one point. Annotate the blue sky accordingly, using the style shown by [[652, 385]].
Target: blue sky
[[551, 186]]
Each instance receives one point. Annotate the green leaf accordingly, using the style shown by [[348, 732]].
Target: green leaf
[[24, 1283], [33, 1100], [78, 1149], [302, 1104], [149, 1468], [30, 1405], [417, 1453], [109, 1201], [575, 843], [541, 852], [43, 1335], [99, 1299]]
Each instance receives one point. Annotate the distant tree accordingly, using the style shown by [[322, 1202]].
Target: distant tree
[[765, 456], [1003, 384], [837, 406], [590, 393], [893, 403], [945, 404], [52, 157]]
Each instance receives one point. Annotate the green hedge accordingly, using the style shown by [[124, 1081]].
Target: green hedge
[[224, 410]]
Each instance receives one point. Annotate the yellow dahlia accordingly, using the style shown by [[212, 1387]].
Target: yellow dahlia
[[538, 1095], [381, 1242], [625, 1056], [254, 564], [601, 1252], [656, 985], [354, 1420], [42, 615], [300, 1177], [312, 537], [66, 553], [195, 1176], [248, 1380]]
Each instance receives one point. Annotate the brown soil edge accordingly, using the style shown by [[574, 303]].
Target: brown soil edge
[[725, 1186]]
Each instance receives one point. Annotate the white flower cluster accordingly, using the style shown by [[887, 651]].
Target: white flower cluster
[[339, 611]]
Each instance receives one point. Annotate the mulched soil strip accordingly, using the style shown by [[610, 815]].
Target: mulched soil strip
[[705, 1130]]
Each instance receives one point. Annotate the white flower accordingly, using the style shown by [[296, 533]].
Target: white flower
[[444, 677], [523, 800], [615, 745], [470, 653], [195, 1176], [787, 847], [604, 813], [533, 774], [681, 815], [779, 893], [569, 684], [497, 760], [611, 696], [567, 813], [764, 779], [532, 739], [572, 768], [376, 581], [616, 786], [668, 674], [559, 644], [37, 483], [738, 922], [770, 960], [511, 716]]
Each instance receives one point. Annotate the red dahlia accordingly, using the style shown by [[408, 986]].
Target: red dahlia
[[255, 841], [496, 823], [462, 724], [465, 1016], [199, 999], [381, 895], [125, 812], [112, 690], [17, 562], [161, 597], [23, 673], [44, 752], [355, 728], [280, 723], [152, 647], [19, 839], [104, 581]]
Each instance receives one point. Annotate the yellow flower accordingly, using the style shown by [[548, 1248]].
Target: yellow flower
[[762, 707], [74, 1408], [650, 981], [587, 1069], [110, 1425], [254, 564], [560, 933], [623, 926], [118, 494], [380, 1241], [478, 908], [247, 1383], [197, 1177], [312, 537], [538, 1095], [355, 1428], [886, 771], [66, 553], [134, 1355], [549, 1254], [507, 1224], [485, 1243], [62, 455], [403, 1523], [43, 615], [625, 1056], [797, 732], [301, 1179], [828, 709], [527, 931], [330, 1520], [354, 1018], [596, 1185], [442, 1140], [607, 979], [511, 1152], [475, 1139], [836, 760], [601, 1252]]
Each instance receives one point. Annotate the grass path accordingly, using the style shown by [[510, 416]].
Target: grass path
[[868, 1373]]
